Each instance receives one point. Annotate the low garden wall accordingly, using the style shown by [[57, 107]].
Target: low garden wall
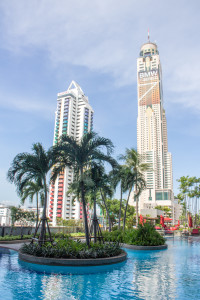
[[72, 262], [135, 247]]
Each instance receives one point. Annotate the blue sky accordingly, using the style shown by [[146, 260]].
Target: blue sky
[[44, 45]]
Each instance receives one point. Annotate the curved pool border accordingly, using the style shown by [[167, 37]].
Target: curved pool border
[[72, 262], [135, 247]]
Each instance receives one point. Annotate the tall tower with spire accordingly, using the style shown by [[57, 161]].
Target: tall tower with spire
[[152, 129], [74, 117]]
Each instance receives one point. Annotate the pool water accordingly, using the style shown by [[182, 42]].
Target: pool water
[[168, 274]]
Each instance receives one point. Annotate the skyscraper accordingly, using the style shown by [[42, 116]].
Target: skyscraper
[[74, 117], [152, 130]]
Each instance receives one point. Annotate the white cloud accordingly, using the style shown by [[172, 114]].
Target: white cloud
[[8, 191], [105, 36], [30, 105]]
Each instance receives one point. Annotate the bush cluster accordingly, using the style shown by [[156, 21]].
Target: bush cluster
[[15, 237], [72, 249], [144, 235], [114, 236], [62, 235]]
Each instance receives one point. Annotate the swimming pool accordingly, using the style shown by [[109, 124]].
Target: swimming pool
[[166, 274]]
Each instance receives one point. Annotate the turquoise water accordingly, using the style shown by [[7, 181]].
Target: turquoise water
[[166, 274]]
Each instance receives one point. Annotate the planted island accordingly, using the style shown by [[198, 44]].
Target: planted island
[[145, 237]]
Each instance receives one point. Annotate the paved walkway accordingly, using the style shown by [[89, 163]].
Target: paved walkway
[[16, 246]]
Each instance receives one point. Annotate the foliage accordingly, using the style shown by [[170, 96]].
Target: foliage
[[166, 209], [31, 167], [31, 189], [81, 155], [189, 196], [24, 217], [15, 237], [15, 216], [100, 189], [135, 162], [144, 235], [72, 249], [61, 235], [113, 208], [71, 222], [117, 235], [120, 178]]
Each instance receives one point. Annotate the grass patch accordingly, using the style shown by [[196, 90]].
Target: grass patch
[[15, 237], [77, 234]]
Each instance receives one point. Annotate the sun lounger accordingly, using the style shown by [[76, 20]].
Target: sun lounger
[[168, 231], [195, 231]]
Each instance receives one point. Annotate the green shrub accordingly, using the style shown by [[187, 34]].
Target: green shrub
[[15, 237], [60, 235], [144, 235], [114, 236], [71, 249]]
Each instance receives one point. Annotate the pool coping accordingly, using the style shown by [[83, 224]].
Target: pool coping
[[72, 262], [135, 247]]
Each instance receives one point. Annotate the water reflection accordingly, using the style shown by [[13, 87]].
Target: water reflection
[[154, 277], [170, 274], [107, 285], [52, 287]]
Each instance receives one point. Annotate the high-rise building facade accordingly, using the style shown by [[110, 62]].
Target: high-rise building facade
[[73, 117], [152, 130]]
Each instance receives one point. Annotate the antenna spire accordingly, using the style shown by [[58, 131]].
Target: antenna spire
[[148, 36]]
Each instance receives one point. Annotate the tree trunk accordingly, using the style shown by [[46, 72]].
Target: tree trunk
[[195, 220], [44, 217], [95, 220], [186, 208], [84, 211], [124, 221], [136, 207], [37, 210], [107, 211], [120, 209], [21, 232]]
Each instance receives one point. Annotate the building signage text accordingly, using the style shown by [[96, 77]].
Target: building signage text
[[148, 74]]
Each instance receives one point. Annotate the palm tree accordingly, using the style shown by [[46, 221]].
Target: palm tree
[[106, 189], [119, 177], [184, 189], [80, 155], [29, 167], [31, 189], [99, 189], [93, 173], [135, 162]]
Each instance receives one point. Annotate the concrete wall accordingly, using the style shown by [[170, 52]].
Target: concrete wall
[[29, 230], [16, 230], [153, 212]]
